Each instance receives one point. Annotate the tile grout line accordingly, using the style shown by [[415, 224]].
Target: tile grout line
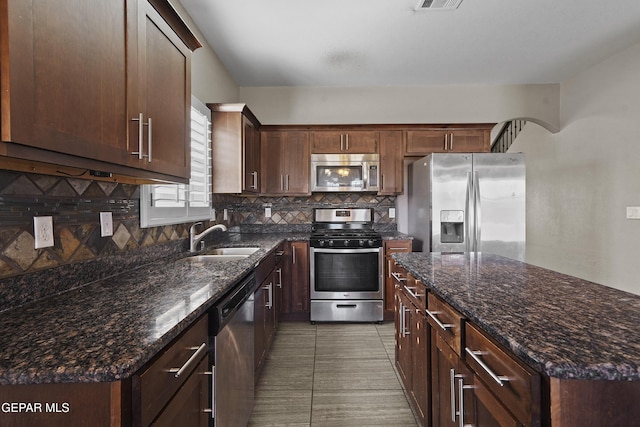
[[313, 374]]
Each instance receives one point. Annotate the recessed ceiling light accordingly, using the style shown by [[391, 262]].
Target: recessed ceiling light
[[438, 4]]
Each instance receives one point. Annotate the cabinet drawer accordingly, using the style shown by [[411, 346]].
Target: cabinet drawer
[[516, 385], [266, 266], [446, 321], [416, 291], [395, 246], [160, 381]]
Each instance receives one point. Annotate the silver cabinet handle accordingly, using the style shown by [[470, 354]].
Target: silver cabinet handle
[[410, 289], [281, 182], [347, 138], [279, 270], [401, 312], [398, 277], [141, 125], [139, 119], [475, 356], [405, 310], [341, 142], [452, 390], [444, 326], [446, 139], [269, 289], [195, 356], [254, 177], [389, 272], [149, 143], [451, 141]]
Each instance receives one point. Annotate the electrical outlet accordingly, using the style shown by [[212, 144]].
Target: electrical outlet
[[106, 224], [43, 231], [633, 212], [392, 212], [267, 212]]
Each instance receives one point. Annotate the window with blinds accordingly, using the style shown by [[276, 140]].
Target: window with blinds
[[163, 204]]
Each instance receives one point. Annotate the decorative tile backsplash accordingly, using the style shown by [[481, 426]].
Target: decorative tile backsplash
[[75, 205]]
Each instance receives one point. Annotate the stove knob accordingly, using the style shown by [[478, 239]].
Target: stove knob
[[346, 242], [371, 243], [330, 242], [361, 242], [321, 243]]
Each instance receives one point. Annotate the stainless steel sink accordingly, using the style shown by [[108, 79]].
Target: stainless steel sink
[[233, 251], [203, 259], [221, 255]]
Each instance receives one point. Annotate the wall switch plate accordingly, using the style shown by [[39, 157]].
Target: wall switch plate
[[392, 212], [267, 212], [43, 231], [106, 224], [225, 214], [633, 212]]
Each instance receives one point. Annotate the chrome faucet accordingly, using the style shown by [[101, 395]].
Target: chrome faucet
[[194, 238]]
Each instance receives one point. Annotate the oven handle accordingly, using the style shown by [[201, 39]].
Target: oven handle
[[347, 251], [346, 305]]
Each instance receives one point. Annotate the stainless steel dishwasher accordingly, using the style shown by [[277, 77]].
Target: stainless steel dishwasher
[[233, 382]]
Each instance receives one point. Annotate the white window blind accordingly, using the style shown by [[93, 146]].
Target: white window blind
[[163, 204]]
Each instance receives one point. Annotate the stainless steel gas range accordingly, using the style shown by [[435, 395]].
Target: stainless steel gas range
[[346, 267]]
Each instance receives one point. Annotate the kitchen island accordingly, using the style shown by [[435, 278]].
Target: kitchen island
[[583, 339]]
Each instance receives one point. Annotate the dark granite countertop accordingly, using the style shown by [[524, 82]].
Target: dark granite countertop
[[107, 330], [560, 325]]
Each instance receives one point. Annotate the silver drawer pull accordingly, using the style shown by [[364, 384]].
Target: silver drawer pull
[[195, 356], [497, 378], [444, 326], [398, 277], [410, 292]]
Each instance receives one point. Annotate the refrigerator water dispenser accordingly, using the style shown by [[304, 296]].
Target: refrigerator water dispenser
[[451, 226]]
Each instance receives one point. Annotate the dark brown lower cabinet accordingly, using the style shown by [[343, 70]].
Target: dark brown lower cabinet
[[460, 398], [189, 408], [295, 282], [412, 353], [264, 312]]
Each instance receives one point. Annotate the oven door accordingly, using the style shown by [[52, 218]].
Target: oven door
[[346, 274]]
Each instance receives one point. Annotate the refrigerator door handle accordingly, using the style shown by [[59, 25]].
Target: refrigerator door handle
[[478, 212], [469, 203]]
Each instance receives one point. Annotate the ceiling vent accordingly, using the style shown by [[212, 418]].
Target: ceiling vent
[[438, 4]]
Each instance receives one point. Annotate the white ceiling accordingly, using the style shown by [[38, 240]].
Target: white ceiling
[[389, 43]]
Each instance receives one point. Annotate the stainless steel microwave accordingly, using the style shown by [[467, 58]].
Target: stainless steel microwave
[[345, 172]]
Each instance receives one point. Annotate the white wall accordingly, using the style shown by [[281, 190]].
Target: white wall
[[406, 104], [210, 80], [580, 180]]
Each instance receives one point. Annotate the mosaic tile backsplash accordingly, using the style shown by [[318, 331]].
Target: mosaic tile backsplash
[[75, 204]]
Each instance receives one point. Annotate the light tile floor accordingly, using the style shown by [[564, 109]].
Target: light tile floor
[[331, 375]]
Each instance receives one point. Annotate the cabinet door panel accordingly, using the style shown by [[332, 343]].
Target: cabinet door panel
[[463, 141], [403, 339], [341, 142], [391, 162], [60, 95], [443, 399], [187, 408], [295, 289], [423, 142], [286, 159], [164, 75], [296, 162], [520, 391], [421, 363]]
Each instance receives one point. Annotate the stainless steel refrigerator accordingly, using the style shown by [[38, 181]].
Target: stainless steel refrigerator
[[468, 203]]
